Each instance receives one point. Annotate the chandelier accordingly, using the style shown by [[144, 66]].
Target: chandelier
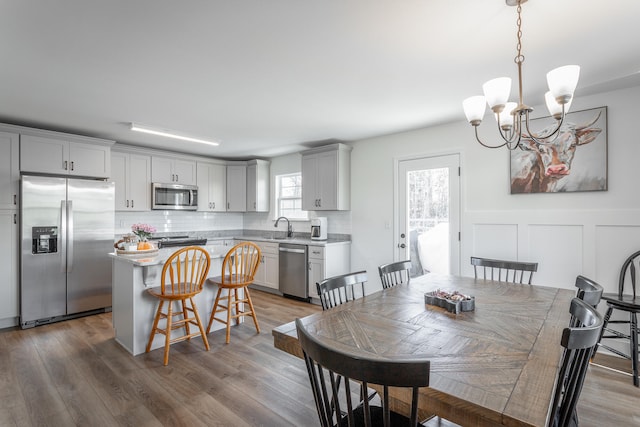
[[513, 118]]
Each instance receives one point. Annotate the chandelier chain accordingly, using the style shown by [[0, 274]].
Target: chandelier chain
[[519, 58]]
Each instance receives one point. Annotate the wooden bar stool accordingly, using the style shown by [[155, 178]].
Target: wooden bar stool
[[238, 269], [183, 276]]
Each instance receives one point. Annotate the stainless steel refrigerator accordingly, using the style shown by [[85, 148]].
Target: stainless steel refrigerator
[[67, 232]]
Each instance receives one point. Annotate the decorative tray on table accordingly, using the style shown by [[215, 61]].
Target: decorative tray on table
[[454, 302]]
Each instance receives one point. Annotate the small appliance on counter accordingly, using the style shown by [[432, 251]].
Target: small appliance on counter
[[319, 228]]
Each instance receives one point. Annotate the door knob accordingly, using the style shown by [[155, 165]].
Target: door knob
[[402, 245]]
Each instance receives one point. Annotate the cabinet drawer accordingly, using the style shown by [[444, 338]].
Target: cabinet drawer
[[268, 248], [316, 252]]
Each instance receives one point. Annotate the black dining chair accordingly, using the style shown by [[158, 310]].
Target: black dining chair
[[395, 273], [337, 406], [588, 291], [626, 303], [579, 341], [504, 271], [340, 289]]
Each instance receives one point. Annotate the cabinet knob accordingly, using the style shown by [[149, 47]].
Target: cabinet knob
[[15, 199], [131, 202], [127, 203], [71, 165], [65, 165], [213, 205]]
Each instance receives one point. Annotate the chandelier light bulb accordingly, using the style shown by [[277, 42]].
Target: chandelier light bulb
[[496, 92], [474, 108]]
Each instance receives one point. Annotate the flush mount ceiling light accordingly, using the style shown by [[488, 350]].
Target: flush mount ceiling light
[[510, 116], [168, 134]]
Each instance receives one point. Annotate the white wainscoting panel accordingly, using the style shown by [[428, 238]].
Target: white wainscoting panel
[[614, 243], [498, 241], [559, 251]]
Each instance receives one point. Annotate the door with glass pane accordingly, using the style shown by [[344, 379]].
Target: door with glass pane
[[428, 217]]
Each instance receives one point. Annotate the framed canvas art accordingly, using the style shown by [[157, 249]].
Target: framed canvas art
[[575, 161]]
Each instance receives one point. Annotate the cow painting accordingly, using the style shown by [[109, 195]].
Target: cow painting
[[547, 167]]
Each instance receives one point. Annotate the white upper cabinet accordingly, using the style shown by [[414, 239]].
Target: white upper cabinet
[[166, 170], [258, 186], [212, 187], [9, 170], [131, 173], [55, 155], [326, 178], [237, 187]]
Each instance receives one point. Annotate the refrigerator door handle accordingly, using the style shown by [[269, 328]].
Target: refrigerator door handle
[[63, 236], [69, 236]]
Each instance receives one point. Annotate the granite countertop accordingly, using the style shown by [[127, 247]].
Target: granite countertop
[[217, 251], [159, 257]]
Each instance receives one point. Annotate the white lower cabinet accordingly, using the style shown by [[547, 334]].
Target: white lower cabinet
[[327, 261], [9, 291], [268, 269]]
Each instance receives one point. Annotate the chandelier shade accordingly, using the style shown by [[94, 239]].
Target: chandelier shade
[[562, 81], [513, 117], [497, 91], [474, 108]]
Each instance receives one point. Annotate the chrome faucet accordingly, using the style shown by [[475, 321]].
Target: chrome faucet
[[289, 229]]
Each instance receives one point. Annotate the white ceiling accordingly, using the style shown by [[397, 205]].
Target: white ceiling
[[268, 77]]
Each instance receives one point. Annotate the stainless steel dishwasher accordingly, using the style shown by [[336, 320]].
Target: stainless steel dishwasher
[[293, 271]]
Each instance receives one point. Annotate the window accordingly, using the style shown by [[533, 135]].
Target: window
[[289, 196]]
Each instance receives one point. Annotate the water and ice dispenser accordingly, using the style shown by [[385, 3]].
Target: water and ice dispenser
[[44, 240]]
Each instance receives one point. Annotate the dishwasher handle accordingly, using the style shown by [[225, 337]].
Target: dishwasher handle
[[291, 250]]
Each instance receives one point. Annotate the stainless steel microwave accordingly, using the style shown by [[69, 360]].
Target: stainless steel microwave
[[174, 197]]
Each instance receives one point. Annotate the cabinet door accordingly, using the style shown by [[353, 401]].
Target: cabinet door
[[89, 160], [203, 171], [316, 268], [327, 181], [236, 188], [218, 187], [184, 172], [139, 182], [45, 155], [272, 269], [252, 173], [316, 275], [161, 170], [9, 305], [309, 178], [119, 167], [261, 272], [9, 170]]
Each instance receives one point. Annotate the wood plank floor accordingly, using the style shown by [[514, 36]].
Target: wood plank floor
[[74, 374]]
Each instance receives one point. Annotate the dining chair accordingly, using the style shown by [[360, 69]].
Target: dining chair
[[395, 273], [578, 340], [588, 291], [626, 303], [504, 271], [340, 289], [337, 406], [183, 275], [238, 270]]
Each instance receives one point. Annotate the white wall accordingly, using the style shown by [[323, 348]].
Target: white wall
[[589, 233]]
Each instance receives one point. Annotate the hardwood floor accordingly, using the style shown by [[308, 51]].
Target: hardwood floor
[[73, 373]]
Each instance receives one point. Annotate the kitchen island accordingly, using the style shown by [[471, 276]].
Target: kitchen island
[[133, 308]]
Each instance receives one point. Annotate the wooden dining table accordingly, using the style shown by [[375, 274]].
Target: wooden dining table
[[495, 365]]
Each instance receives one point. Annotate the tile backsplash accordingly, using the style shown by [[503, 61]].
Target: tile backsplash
[[178, 221]]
